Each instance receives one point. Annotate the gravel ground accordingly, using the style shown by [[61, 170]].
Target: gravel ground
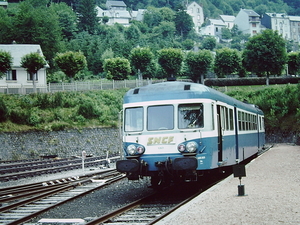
[[101, 201], [94, 204], [272, 193]]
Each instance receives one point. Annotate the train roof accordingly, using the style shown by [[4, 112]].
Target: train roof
[[173, 90]]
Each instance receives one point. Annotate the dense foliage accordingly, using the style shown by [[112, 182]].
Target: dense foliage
[[63, 110], [60, 110], [281, 105], [72, 25]]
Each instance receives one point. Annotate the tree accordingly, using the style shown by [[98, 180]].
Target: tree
[[183, 23], [5, 62], [165, 30], [67, 19], [33, 62], [70, 62], [227, 61], [37, 25], [226, 34], [209, 43], [87, 14], [6, 26], [132, 33], [293, 62], [265, 53], [170, 60], [198, 64], [141, 59], [152, 17], [117, 68]]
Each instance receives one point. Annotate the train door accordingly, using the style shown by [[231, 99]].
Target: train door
[[220, 133]]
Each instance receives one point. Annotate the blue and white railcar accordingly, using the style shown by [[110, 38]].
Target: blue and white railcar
[[180, 130]]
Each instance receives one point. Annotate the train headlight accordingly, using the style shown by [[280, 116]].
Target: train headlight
[[140, 149], [135, 149], [181, 148], [191, 146], [131, 149]]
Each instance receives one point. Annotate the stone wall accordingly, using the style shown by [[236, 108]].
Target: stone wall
[[96, 141], [26, 145]]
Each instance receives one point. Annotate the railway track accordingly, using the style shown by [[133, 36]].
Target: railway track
[[154, 207], [15, 171], [22, 203]]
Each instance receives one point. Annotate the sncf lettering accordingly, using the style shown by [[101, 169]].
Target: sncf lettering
[[160, 140]]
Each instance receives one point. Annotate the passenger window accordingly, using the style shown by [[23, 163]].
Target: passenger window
[[190, 116], [231, 119]]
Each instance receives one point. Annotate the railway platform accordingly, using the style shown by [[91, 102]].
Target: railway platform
[[271, 194]]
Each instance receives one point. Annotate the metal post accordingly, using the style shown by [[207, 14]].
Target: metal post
[[83, 156]]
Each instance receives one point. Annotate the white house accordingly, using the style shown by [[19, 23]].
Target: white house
[[278, 22], [228, 20], [213, 28], [18, 80], [295, 28], [117, 13], [248, 22], [196, 12], [4, 4]]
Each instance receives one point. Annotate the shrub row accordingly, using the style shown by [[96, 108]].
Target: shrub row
[[250, 81]]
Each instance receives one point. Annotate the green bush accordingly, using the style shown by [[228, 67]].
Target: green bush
[[42, 100], [19, 116], [88, 110], [3, 111], [58, 100], [33, 119]]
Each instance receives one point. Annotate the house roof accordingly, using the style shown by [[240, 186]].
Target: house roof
[[17, 51], [217, 22], [193, 3], [250, 12], [294, 18], [115, 4], [227, 18]]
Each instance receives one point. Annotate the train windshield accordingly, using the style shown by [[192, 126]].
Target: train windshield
[[160, 117], [134, 119], [190, 116]]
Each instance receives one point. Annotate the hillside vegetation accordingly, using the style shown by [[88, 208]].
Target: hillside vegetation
[[59, 26], [60, 110], [65, 110]]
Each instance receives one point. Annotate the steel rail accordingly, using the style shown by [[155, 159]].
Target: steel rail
[[67, 187]]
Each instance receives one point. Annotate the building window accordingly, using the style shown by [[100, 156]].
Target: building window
[[30, 77], [11, 75], [253, 24]]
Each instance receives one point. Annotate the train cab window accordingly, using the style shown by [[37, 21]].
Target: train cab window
[[160, 117], [133, 120], [190, 116]]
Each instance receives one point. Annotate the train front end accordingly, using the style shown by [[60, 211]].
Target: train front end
[[162, 137]]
